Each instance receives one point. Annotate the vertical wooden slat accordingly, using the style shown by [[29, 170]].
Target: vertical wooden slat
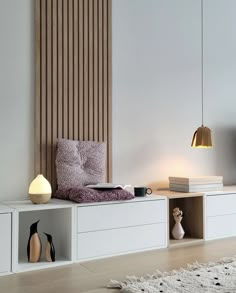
[[95, 69], [91, 102], [54, 89], [65, 68], [76, 69], [86, 72], [70, 70], [73, 77], [81, 70], [60, 69], [109, 84], [105, 81], [49, 91], [100, 70], [43, 89], [37, 86]]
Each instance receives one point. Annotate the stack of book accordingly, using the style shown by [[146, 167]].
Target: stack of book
[[196, 184]]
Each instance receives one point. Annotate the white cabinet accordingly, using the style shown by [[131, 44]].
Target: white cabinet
[[123, 240], [220, 215], [127, 214], [221, 226], [121, 227], [221, 204], [56, 218], [5, 243]]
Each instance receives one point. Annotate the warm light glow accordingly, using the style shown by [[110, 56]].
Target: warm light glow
[[40, 185]]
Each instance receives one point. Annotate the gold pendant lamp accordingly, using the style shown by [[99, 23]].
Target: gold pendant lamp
[[202, 136]]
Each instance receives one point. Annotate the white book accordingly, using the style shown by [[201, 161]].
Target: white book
[[195, 189], [196, 180], [108, 186], [203, 185]]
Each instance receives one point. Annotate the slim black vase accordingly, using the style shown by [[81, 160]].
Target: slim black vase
[[34, 246], [50, 249]]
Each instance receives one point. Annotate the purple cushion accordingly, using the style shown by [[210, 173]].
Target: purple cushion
[[85, 194], [80, 163]]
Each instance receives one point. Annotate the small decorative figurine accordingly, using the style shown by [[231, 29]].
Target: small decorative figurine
[[34, 247], [178, 231], [50, 249]]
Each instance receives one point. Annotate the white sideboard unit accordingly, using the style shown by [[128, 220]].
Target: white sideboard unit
[[113, 228], [5, 242], [90, 231]]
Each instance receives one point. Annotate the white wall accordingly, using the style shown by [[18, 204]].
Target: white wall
[[16, 97], [156, 91]]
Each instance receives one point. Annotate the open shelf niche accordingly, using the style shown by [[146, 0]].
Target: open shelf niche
[[58, 223], [192, 222]]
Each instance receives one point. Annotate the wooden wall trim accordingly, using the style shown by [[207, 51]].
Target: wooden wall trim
[[73, 77]]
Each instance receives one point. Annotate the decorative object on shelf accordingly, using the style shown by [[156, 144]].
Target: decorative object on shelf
[[202, 136], [142, 191], [50, 249], [196, 184], [40, 190], [34, 247], [178, 231]]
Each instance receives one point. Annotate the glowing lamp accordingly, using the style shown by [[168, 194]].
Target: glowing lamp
[[40, 190]]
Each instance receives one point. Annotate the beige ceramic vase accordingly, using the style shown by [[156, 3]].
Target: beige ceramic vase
[[177, 231]]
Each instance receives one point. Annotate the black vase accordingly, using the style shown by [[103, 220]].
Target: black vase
[[34, 246], [50, 249]]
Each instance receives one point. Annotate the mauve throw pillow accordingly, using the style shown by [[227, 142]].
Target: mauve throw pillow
[[86, 195], [79, 163]]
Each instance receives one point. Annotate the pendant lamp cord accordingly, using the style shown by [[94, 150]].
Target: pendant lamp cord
[[202, 39]]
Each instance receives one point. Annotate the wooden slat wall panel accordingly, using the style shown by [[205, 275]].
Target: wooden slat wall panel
[[43, 110], [49, 89], [95, 68], [54, 86], [86, 70], [76, 70], [73, 77], [100, 71], [38, 65], [65, 67], [109, 86], [91, 61]]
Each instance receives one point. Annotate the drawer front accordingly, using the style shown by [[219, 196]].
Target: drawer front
[[93, 218], [5, 243], [221, 226], [221, 204], [116, 241]]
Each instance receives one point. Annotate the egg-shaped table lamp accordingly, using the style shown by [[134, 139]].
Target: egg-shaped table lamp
[[40, 190]]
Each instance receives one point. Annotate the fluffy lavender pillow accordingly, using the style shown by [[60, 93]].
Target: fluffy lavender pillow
[[85, 194], [80, 163]]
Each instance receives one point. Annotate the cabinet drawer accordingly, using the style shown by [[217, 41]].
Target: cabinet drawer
[[223, 204], [116, 241], [221, 226], [93, 218], [5, 243]]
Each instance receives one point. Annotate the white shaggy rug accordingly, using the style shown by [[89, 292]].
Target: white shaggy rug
[[196, 278]]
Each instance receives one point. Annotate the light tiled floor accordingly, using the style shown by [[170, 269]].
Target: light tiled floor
[[93, 276]]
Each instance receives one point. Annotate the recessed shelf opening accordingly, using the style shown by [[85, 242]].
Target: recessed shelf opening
[[192, 222], [58, 223]]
